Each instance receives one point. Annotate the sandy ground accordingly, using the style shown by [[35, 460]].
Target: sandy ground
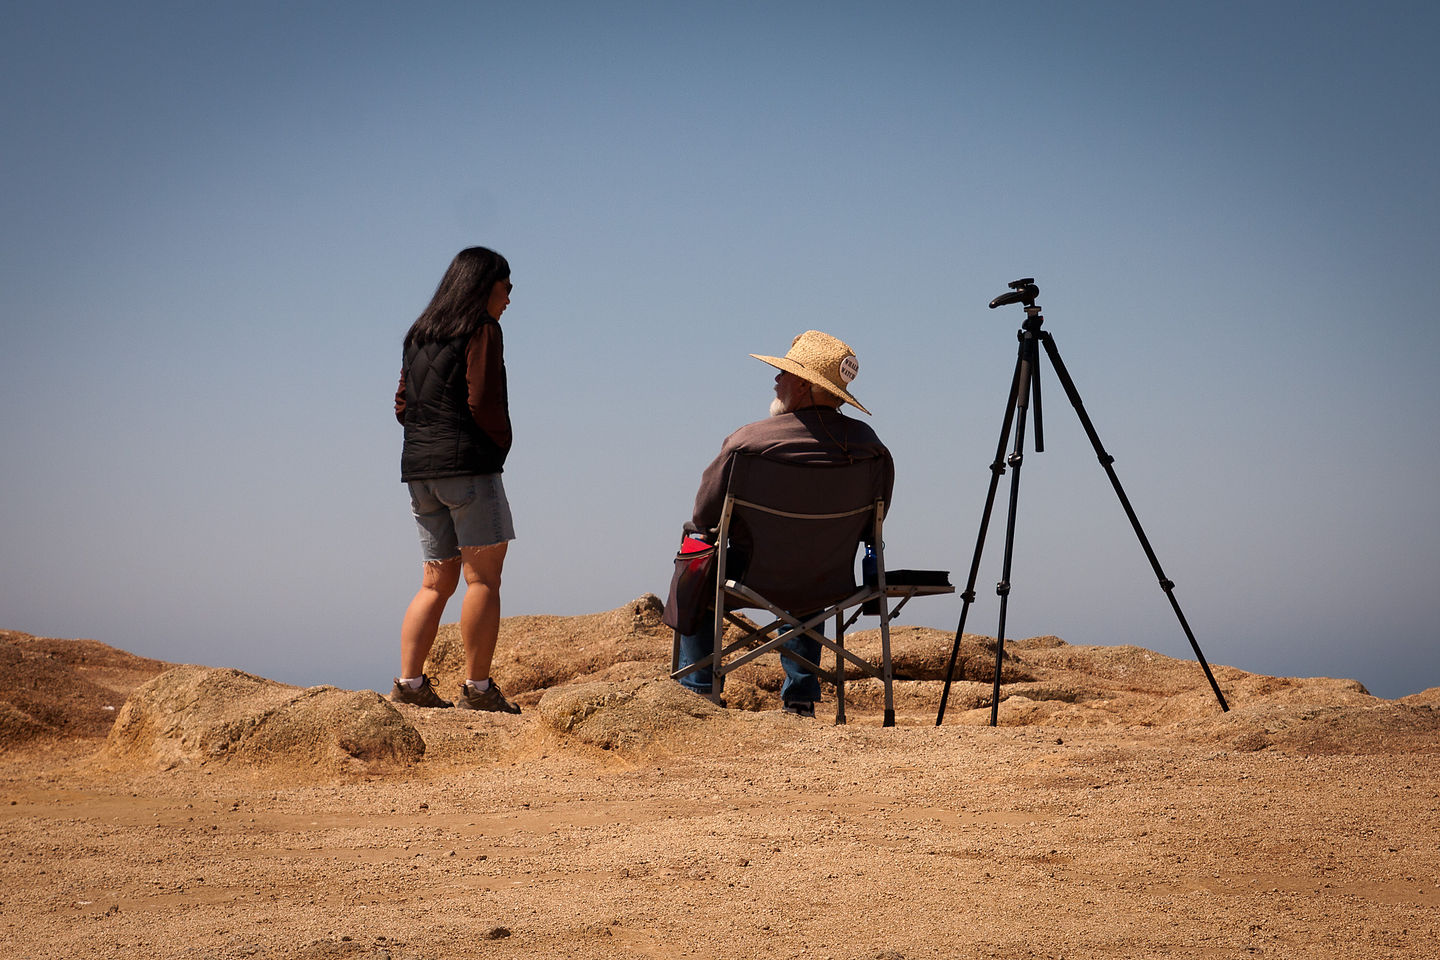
[[619, 817]]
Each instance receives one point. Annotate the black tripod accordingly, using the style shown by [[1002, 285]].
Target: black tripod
[[1025, 384]]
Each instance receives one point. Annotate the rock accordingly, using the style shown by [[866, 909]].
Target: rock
[[624, 716], [52, 688], [200, 715], [536, 652]]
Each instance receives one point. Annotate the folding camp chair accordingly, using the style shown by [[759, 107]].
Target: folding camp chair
[[787, 542]]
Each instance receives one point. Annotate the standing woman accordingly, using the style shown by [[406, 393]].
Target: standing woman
[[454, 406]]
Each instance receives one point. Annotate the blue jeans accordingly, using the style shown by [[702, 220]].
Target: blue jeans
[[800, 686]]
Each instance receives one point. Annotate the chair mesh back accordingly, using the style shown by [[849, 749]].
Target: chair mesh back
[[802, 563]]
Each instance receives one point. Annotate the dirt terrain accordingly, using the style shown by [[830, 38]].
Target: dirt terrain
[[159, 810]]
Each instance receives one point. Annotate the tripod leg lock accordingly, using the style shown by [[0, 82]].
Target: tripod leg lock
[[998, 467], [1003, 588], [1167, 585], [1106, 459], [1015, 459], [968, 596]]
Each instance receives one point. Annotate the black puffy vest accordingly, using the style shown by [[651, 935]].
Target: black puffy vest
[[442, 439]]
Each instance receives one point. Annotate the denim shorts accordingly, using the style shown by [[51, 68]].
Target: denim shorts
[[455, 512]]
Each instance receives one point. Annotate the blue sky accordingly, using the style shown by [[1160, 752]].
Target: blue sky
[[219, 219]]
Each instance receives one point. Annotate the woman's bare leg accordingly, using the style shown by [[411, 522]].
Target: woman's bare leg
[[422, 617], [480, 611]]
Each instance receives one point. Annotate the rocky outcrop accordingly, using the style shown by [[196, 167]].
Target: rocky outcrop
[[202, 715]]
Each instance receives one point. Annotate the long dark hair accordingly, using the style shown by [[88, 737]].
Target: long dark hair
[[458, 306]]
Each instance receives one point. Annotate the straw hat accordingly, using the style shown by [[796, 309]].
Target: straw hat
[[821, 359]]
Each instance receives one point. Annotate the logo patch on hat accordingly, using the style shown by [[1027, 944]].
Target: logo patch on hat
[[849, 368]]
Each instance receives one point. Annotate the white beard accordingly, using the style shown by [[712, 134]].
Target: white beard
[[777, 407]]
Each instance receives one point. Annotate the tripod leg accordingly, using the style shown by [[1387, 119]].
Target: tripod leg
[[996, 469], [1035, 399], [1029, 360], [1107, 462]]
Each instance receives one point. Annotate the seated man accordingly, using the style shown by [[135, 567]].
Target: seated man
[[805, 426]]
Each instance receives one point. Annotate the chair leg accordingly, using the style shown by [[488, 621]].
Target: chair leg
[[886, 670], [716, 677], [885, 667], [839, 668]]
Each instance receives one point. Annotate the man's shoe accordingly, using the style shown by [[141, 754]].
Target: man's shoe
[[800, 708], [488, 699], [422, 696]]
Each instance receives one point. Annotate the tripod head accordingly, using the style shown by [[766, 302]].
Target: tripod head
[[1021, 291]]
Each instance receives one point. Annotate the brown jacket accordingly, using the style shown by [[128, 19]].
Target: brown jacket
[[813, 435]]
